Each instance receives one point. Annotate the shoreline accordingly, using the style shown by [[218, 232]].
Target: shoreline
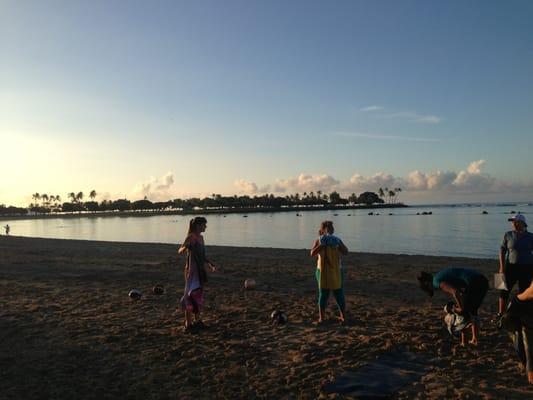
[[199, 212], [64, 309], [233, 248]]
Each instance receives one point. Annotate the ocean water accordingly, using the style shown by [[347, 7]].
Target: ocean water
[[451, 230]]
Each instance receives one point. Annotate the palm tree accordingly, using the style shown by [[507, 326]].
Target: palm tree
[[36, 197], [381, 193], [398, 190], [391, 195], [79, 197], [92, 195], [72, 196]]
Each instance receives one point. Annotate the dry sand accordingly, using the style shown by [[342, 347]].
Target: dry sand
[[68, 329]]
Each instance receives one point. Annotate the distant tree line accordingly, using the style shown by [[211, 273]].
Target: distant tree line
[[11, 210], [45, 204]]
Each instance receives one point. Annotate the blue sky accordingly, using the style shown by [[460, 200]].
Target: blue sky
[[175, 98]]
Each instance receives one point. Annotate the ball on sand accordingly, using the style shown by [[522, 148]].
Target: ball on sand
[[135, 294], [278, 317], [249, 284], [158, 289]]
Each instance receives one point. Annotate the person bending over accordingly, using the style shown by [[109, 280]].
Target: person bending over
[[467, 288]]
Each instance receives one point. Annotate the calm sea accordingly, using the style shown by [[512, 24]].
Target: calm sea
[[454, 230]]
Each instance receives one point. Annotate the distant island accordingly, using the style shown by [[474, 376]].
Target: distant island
[[49, 206]]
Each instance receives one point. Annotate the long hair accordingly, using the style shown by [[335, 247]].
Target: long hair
[[326, 227], [194, 223]]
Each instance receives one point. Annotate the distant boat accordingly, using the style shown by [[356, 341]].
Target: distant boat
[[335, 215], [370, 213], [245, 216], [484, 212], [349, 215]]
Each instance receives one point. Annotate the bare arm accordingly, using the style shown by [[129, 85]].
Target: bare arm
[[502, 260], [185, 245], [316, 248], [527, 294], [452, 290]]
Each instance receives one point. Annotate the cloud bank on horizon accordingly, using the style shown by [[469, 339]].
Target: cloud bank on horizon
[[471, 180]]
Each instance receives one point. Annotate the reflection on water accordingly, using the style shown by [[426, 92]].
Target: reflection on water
[[450, 230]]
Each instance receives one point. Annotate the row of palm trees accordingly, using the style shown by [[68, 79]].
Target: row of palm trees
[[390, 194], [51, 203]]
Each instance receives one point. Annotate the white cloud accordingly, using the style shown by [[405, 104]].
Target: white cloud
[[415, 117], [306, 183], [371, 108], [245, 187], [471, 180], [155, 189]]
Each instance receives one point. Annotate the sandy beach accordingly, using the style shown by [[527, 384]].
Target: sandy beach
[[68, 329]]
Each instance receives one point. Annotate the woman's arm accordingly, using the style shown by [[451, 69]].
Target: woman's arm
[[185, 245], [503, 252], [526, 295], [316, 248], [502, 261], [452, 290], [343, 249]]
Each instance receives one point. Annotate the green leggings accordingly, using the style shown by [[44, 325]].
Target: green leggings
[[323, 294]]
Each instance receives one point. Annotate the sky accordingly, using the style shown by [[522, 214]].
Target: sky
[[170, 99]]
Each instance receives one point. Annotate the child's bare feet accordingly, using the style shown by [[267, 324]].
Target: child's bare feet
[[473, 342]]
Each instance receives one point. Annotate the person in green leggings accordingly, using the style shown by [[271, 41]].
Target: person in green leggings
[[329, 274]]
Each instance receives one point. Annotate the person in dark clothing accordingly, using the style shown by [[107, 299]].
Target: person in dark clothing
[[468, 289], [518, 321], [516, 260]]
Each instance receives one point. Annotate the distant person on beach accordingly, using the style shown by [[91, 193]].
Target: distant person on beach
[[516, 260], [518, 321], [468, 289], [7, 228], [329, 273], [195, 274]]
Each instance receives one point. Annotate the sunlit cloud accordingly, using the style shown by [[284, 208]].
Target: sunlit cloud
[[155, 189], [305, 183], [471, 180]]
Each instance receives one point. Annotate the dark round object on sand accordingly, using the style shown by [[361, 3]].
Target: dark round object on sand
[[278, 317], [158, 289], [135, 294]]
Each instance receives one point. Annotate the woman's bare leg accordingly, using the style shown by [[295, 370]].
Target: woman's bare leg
[[188, 321], [475, 333]]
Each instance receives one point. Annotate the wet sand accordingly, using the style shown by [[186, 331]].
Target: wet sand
[[68, 329]]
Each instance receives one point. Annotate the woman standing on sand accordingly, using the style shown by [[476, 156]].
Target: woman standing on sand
[[195, 273], [518, 321], [329, 272], [516, 261]]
